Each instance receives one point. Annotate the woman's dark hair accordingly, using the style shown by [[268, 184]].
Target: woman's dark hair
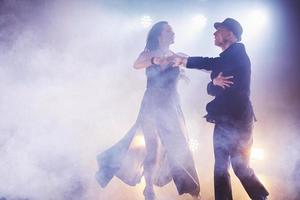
[[152, 38]]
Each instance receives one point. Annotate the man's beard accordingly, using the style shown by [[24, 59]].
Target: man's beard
[[219, 43], [222, 43]]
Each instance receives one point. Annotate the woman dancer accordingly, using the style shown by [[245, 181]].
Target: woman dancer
[[166, 155]]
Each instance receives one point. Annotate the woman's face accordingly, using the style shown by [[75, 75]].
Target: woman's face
[[167, 35]]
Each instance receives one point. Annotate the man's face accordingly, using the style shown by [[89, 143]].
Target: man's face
[[222, 36]]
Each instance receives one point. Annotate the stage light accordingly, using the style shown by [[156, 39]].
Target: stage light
[[258, 17], [254, 23], [199, 21], [146, 21], [138, 141], [257, 154], [194, 145]]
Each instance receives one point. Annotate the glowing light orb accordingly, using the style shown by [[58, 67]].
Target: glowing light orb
[[146, 21], [199, 21], [255, 23], [194, 145], [138, 141], [257, 154]]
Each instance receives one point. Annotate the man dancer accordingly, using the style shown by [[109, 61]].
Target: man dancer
[[231, 110]]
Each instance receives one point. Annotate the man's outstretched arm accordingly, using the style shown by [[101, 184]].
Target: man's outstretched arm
[[202, 63], [205, 63]]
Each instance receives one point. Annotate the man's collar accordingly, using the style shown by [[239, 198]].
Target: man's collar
[[230, 49]]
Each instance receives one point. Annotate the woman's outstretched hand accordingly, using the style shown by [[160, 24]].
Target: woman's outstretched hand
[[223, 81], [178, 59], [160, 60]]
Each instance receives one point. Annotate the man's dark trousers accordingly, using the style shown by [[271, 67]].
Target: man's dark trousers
[[232, 144]]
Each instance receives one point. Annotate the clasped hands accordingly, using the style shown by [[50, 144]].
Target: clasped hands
[[175, 60], [180, 59]]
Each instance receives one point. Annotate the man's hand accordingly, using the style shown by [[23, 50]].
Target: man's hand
[[223, 81]]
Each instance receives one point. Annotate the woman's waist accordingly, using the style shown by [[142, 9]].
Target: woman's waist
[[152, 83], [162, 88], [161, 92]]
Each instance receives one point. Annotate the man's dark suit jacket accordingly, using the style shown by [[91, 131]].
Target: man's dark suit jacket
[[232, 103]]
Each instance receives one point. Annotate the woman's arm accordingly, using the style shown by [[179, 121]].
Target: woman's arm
[[148, 58], [144, 60]]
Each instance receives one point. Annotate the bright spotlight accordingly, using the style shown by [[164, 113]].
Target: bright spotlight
[[258, 17], [138, 141], [194, 145], [146, 21], [255, 22], [199, 21], [257, 154]]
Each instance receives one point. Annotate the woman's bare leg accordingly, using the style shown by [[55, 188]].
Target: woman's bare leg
[[151, 141]]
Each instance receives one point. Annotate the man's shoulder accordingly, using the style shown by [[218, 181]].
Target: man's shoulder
[[238, 55], [240, 50], [239, 46]]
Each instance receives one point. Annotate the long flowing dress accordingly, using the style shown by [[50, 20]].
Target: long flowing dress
[[159, 130]]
